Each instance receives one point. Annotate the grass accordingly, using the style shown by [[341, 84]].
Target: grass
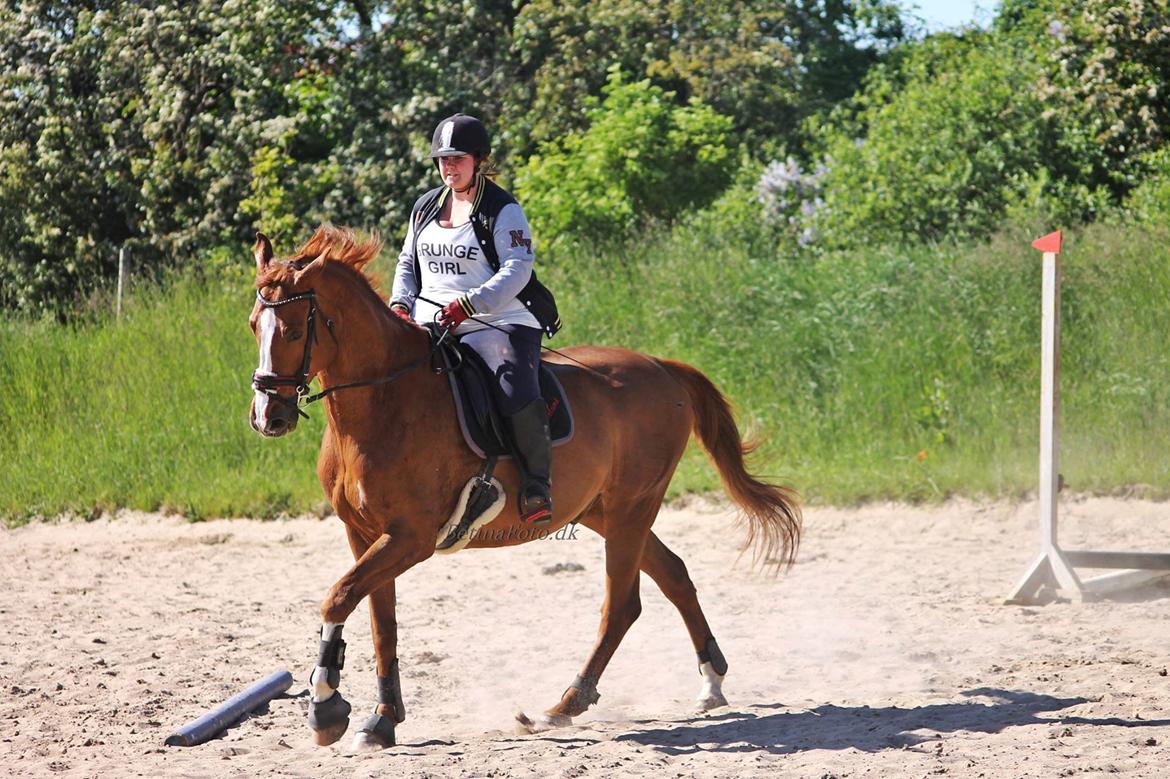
[[148, 412], [895, 373], [905, 373]]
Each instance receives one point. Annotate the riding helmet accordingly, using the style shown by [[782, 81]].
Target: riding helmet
[[460, 134]]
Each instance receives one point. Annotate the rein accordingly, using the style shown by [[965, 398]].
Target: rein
[[608, 379], [268, 384]]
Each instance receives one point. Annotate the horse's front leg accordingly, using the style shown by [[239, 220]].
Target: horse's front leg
[[382, 561]]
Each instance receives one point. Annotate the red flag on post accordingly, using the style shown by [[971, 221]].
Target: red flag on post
[[1049, 243]]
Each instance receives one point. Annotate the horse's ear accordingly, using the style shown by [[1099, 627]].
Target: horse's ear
[[262, 251], [310, 270]]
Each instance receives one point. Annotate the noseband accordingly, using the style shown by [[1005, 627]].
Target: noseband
[[268, 384]]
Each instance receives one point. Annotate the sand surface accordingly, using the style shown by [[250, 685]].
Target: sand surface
[[886, 651]]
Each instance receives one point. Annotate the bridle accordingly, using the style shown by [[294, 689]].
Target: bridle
[[268, 384]]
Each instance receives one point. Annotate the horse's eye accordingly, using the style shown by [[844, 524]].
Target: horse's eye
[[295, 335]]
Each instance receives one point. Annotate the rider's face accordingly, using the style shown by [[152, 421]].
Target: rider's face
[[457, 172]]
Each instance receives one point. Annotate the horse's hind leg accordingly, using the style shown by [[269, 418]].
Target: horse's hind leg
[[670, 574], [623, 548], [377, 732]]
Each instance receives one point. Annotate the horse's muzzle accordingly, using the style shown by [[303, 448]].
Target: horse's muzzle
[[278, 427], [272, 419]]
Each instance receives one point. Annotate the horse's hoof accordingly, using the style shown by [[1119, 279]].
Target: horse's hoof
[[375, 735], [367, 742], [328, 719], [527, 727], [330, 735], [711, 701]]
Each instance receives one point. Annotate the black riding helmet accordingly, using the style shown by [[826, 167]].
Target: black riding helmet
[[460, 134]]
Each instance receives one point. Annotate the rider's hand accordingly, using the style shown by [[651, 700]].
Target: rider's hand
[[401, 312], [455, 312]]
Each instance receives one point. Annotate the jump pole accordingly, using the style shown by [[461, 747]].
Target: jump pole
[[1054, 568], [220, 718]]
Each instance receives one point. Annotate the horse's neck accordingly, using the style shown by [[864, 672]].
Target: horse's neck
[[373, 346]]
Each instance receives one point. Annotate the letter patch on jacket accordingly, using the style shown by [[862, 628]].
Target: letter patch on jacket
[[518, 239]]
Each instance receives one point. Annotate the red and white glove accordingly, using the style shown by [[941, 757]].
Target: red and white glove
[[455, 312]]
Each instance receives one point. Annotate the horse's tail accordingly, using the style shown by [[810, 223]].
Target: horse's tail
[[773, 512]]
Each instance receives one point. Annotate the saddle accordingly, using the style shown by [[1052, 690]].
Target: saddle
[[486, 433], [485, 429]]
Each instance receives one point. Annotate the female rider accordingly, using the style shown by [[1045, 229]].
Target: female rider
[[468, 244]]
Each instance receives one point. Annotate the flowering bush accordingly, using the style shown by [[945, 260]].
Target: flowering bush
[[792, 199]]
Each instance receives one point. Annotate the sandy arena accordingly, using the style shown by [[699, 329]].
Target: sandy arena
[[884, 652]]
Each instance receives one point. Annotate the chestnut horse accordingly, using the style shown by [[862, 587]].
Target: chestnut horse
[[318, 315]]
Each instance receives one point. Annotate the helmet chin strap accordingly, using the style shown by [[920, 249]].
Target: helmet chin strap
[[469, 187]]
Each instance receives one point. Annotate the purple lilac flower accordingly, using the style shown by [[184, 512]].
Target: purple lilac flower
[[791, 197]]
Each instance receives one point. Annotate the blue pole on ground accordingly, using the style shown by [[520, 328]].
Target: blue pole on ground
[[218, 719]]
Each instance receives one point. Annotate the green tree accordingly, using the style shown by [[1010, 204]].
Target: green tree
[[767, 65], [942, 142], [174, 127], [171, 127], [1104, 88], [1055, 114], [125, 124], [642, 157]]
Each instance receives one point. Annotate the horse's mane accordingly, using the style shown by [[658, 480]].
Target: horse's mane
[[340, 245]]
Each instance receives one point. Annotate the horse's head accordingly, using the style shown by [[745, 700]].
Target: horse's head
[[286, 320], [321, 289]]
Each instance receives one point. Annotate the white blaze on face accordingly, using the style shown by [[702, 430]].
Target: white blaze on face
[[267, 334]]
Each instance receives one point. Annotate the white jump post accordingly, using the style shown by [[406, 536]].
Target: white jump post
[[121, 281], [1054, 568]]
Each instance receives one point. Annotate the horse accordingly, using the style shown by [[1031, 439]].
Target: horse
[[634, 417]]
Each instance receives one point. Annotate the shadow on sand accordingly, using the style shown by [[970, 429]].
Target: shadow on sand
[[864, 728]]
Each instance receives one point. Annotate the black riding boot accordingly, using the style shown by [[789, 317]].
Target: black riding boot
[[530, 430]]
